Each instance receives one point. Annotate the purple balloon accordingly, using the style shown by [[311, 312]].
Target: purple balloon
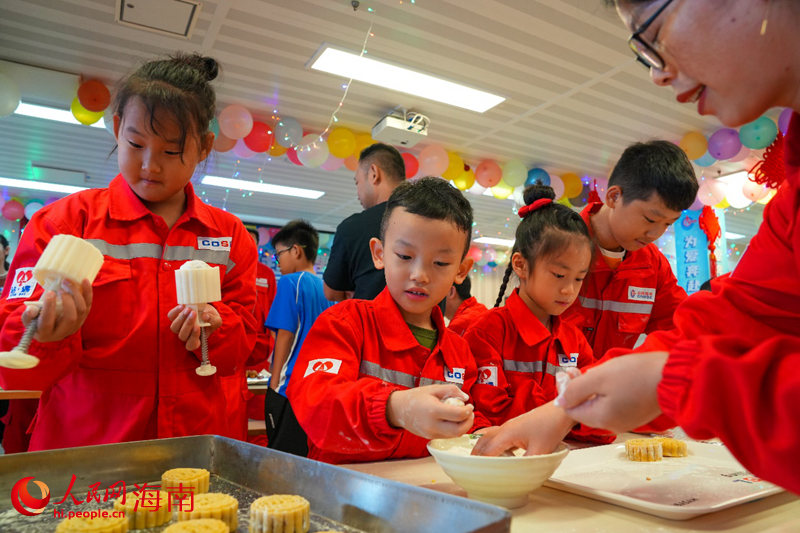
[[724, 144], [783, 120]]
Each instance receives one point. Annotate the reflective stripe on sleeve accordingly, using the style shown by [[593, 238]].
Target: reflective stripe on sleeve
[[619, 307]]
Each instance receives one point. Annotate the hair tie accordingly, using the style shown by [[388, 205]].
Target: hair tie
[[530, 208]]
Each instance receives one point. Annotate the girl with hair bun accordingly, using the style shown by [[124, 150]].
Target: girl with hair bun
[[118, 362], [522, 346]]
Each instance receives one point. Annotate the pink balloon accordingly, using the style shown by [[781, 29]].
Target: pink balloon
[[710, 193], [263, 236], [697, 204], [754, 191], [241, 150], [488, 173], [13, 210], [332, 163], [291, 154], [433, 160], [558, 186], [474, 253], [235, 121], [744, 151]]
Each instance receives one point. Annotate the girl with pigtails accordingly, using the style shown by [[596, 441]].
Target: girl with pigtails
[[522, 346]]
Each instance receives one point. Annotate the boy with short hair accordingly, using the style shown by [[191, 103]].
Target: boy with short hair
[[299, 298], [373, 375], [631, 289], [461, 308]]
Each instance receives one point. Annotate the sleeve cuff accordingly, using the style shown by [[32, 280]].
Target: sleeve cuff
[[676, 377], [376, 413]]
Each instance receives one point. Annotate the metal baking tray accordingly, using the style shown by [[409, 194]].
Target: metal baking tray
[[340, 498]]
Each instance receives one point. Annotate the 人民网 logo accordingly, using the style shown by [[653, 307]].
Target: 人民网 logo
[[24, 502]]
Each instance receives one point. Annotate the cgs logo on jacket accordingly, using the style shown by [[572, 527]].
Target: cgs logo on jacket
[[456, 375], [331, 366], [570, 360], [487, 375], [641, 294], [214, 243]]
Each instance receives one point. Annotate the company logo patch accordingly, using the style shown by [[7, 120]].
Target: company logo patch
[[641, 294], [24, 502], [262, 282], [331, 366], [23, 284], [456, 375], [487, 375], [565, 360], [214, 243]]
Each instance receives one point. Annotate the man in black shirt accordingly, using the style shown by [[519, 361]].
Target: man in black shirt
[[350, 268]]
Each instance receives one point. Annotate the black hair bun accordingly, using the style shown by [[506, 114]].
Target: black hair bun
[[537, 192], [207, 65]]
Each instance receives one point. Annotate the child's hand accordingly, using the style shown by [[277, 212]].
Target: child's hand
[[538, 431], [618, 395], [422, 411], [55, 325], [185, 326]]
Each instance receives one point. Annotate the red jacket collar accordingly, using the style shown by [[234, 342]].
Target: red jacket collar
[[392, 327], [466, 304], [529, 327], [125, 205], [587, 212]]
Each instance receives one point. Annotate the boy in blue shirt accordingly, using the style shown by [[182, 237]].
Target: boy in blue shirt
[[299, 298]]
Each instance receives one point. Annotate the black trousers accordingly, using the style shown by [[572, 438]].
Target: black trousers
[[283, 430]]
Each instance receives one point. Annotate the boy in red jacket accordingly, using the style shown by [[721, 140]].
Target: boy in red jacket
[[631, 289], [372, 376]]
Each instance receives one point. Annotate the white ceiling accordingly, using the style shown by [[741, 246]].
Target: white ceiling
[[575, 96]]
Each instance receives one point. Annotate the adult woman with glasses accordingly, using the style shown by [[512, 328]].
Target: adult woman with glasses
[[731, 368]]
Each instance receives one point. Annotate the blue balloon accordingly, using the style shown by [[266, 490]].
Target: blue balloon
[[537, 175], [758, 134], [706, 161]]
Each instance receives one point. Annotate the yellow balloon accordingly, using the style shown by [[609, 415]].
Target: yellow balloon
[[572, 185], [564, 201], [83, 115], [694, 144], [341, 143], [363, 140], [465, 180], [723, 204], [455, 166], [502, 190], [277, 150]]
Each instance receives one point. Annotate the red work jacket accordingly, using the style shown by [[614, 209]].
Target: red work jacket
[[518, 359], [124, 375], [467, 314], [616, 306], [734, 356], [357, 353]]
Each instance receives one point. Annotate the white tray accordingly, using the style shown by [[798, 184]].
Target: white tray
[[678, 488]]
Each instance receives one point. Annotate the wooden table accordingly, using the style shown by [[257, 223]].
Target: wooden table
[[20, 394], [554, 510]]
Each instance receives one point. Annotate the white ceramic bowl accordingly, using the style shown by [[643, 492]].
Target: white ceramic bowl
[[504, 481]]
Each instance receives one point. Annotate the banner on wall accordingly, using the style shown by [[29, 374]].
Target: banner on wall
[[691, 252]]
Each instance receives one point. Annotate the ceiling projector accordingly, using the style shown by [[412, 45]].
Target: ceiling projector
[[401, 130]]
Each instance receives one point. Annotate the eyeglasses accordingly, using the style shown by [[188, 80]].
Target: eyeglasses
[[279, 252], [645, 53]]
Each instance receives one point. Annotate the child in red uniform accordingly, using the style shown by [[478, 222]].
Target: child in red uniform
[[731, 367], [461, 308], [118, 364], [371, 376], [630, 289], [519, 348]]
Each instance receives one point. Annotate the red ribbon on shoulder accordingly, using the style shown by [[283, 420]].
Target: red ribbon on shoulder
[[530, 208]]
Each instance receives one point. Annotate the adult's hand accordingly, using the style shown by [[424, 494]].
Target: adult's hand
[[618, 395], [184, 323], [537, 432]]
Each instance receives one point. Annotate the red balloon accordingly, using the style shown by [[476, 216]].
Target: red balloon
[[412, 165], [260, 137], [292, 155], [93, 95], [488, 173], [474, 253], [13, 210]]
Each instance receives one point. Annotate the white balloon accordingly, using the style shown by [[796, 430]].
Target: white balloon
[[313, 150], [288, 132], [710, 192], [9, 95], [31, 208]]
